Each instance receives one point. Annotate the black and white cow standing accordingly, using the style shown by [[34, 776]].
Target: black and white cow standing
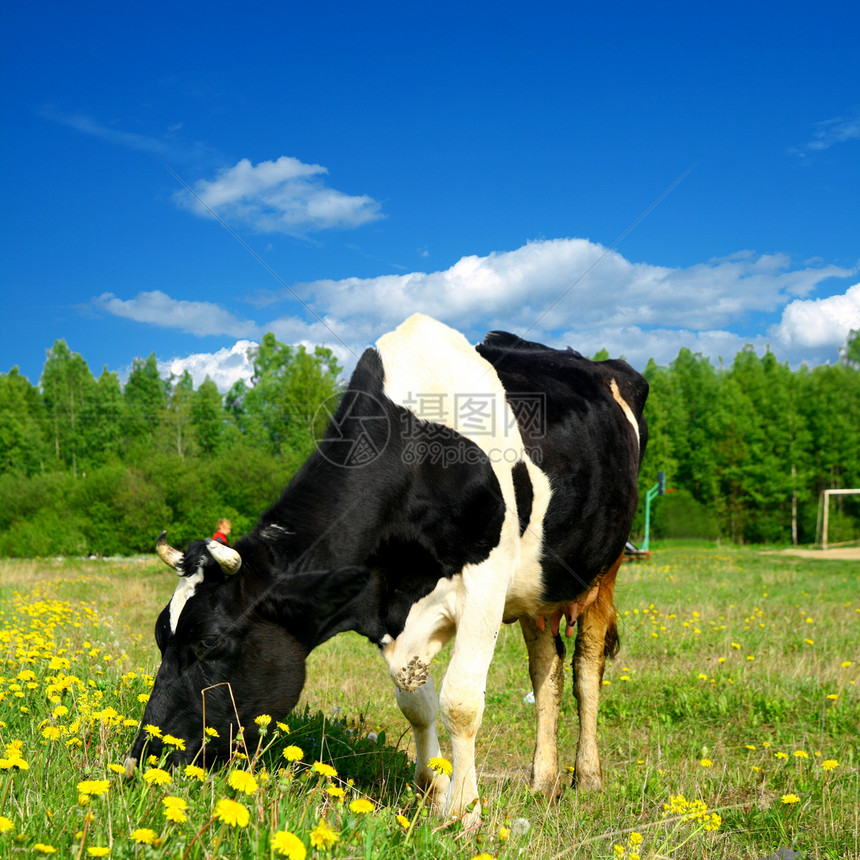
[[458, 488]]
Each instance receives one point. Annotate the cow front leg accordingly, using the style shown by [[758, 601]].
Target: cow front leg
[[419, 707], [596, 638], [546, 668], [461, 698]]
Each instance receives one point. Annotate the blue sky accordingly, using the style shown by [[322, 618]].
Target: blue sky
[[182, 178]]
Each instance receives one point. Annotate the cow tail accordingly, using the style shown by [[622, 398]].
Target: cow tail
[[612, 643]]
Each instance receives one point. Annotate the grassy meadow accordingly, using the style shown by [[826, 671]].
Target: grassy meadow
[[728, 726]]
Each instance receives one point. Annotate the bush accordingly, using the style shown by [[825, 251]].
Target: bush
[[679, 515]]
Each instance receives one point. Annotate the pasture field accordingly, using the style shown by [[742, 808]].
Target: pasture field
[[728, 728]]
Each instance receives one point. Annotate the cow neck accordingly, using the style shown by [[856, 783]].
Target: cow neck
[[324, 519]]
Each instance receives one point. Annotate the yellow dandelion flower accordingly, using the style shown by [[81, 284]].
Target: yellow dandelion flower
[[241, 780], [211, 733], [336, 791], [361, 806], [714, 822], [833, 696], [98, 851], [172, 741], [192, 771], [800, 754], [441, 765], [750, 746], [232, 812], [289, 845], [781, 755], [174, 809], [116, 768], [404, 822], [483, 856], [51, 733], [293, 753], [42, 848], [144, 836], [283, 727], [845, 664], [829, 764], [322, 836], [618, 850], [5, 824], [156, 776], [635, 838], [152, 731], [263, 720], [325, 770], [93, 786], [706, 762], [504, 834], [790, 798]]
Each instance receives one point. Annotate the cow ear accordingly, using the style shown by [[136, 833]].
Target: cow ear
[[313, 607]]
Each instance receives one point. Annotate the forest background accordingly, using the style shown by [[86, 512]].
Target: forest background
[[89, 466]]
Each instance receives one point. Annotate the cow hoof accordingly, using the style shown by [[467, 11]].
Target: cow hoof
[[413, 675], [436, 792], [472, 820], [549, 790]]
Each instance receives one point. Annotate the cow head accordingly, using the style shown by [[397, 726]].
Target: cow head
[[233, 641]]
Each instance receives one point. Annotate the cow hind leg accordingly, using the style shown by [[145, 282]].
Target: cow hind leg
[[546, 668], [596, 638], [420, 707]]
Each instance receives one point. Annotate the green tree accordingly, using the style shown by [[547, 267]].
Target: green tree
[[105, 422], [145, 397], [849, 354], [22, 418], [208, 416], [288, 387], [68, 389], [179, 417], [695, 420]]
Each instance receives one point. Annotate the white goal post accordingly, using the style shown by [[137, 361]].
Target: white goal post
[[823, 512]]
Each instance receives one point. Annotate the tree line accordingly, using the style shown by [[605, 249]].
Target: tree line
[[88, 465]]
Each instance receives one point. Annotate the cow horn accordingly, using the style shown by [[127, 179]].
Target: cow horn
[[170, 556], [226, 556]]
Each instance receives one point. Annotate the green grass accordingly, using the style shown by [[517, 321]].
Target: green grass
[[682, 693]]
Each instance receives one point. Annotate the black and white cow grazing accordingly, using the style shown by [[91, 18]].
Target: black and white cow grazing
[[458, 488]]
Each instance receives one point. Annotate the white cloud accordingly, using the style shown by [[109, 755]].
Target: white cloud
[[89, 126], [224, 367], [281, 196], [562, 292], [817, 323], [831, 132], [573, 284], [199, 318]]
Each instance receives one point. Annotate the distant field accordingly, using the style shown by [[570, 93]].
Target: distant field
[[735, 686]]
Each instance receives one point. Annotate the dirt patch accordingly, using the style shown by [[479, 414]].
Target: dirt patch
[[840, 553]]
